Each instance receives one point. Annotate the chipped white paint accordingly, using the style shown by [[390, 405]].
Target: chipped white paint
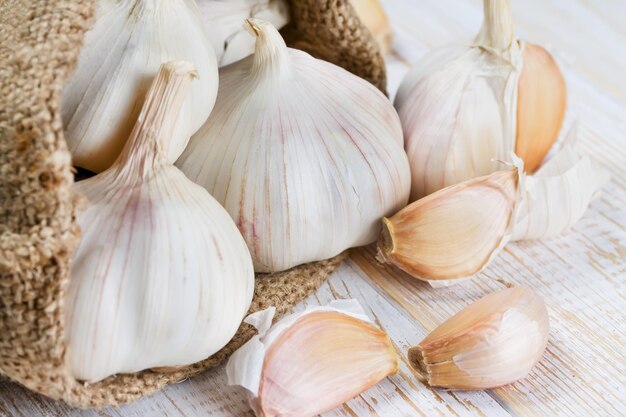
[[582, 274]]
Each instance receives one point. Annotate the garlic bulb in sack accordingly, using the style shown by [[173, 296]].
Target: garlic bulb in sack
[[120, 57], [311, 362], [162, 277], [464, 106], [306, 157], [222, 21]]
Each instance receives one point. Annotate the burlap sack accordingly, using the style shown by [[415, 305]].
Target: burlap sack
[[39, 44]]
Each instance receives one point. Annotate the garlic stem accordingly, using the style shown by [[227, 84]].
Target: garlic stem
[[148, 144], [271, 57], [497, 30]]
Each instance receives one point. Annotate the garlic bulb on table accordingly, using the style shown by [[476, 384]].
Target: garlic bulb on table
[[311, 362], [492, 342], [222, 21], [305, 156], [464, 106], [120, 57], [162, 277]]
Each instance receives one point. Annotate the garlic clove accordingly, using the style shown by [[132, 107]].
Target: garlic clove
[[161, 277], [121, 55], [455, 232], [541, 103], [558, 195], [372, 15], [305, 156], [311, 362], [492, 342]]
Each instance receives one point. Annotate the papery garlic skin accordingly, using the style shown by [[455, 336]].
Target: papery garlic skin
[[453, 233], [558, 195], [120, 56], [162, 277], [223, 22], [492, 342], [461, 107], [311, 362], [305, 156]]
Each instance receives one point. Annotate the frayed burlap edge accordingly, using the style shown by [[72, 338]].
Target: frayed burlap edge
[[39, 44]]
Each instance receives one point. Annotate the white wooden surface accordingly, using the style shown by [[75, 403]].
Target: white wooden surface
[[582, 274]]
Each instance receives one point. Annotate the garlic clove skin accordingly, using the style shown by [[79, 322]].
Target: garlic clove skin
[[311, 362], [558, 195], [161, 277], [493, 342], [306, 157], [222, 20], [121, 55], [541, 103], [455, 232], [372, 15]]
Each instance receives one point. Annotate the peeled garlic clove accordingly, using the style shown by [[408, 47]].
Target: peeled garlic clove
[[558, 195], [373, 16], [541, 103], [305, 156], [222, 20], [161, 277], [311, 362], [493, 342], [120, 57], [463, 106], [455, 232]]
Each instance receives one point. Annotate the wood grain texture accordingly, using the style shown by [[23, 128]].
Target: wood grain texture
[[581, 274]]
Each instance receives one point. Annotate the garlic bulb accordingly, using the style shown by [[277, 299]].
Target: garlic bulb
[[558, 195], [464, 106], [222, 20], [121, 55], [311, 362], [492, 342], [162, 277], [373, 16], [455, 232], [305, 156]]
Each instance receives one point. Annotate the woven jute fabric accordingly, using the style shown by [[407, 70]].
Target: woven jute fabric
[[331, 30], [39, 44]]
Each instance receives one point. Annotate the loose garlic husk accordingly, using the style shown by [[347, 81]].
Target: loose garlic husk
[[305, 156], [493, 342], [311, 362], [464, 106], [120, 57], [558, 195], [373, 16], [162, 277], [222, 21], [455, 232]]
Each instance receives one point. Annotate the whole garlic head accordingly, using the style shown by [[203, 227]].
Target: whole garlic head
[[306, 157], [121, 55], [162, 277], [464, 106]]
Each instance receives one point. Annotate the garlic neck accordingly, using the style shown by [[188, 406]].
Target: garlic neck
[[271, 56], [497, 31], [152, 135]]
